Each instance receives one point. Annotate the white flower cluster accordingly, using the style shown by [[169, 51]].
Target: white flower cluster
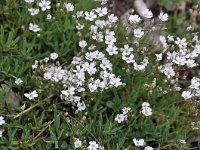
[[44, 5], [91, 70], [92, 145], [123, 117], [183, 57], [80, 77], [194, 89]]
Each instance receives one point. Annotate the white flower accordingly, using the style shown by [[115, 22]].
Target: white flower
[[195, 83], [2, 121], [126, 50], [148, 148], [90, 16], [102, 11], [93, 145], [1, 133], [110, 39], [82, 44], [69, 92], [182, 43], [112, 18], [134, 19], [128, 59], [126, 110], [34, 27], [163, 17], [112, 50], [138, 33], [170, 38], [182, 141], [145, 104], [81, 106], [120, 118], [159, 57], [23, 106], [18, 81], [44, 4], [186, 94], [163, 41], [31, 95], [146, 110], [69, 6], [29, 1], [77, 143], [147, 13], [47, 75], [49, 16], [139, 142], [191, 63], [33, 11], [53, 56], [115, 81]]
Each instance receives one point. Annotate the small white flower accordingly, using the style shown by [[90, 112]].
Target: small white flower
[[90, 15], [112, 50], [18, 81], [163, 41], [49, 16], [2, 121], [138, 33], [139, 142], [112, 18], [47, 75], [82, 44], [31, 95], [195, 83], [147, 14], [53, 56], [69, 6], [126, 50], [44, 4], [186, 94], [81, 106], [1, 133], [126, 110], [134, 19], [77, 143], [33, 11], [120, 118], [93, 145], [34, 27], [102, 11], [182, 141], [148, 148], [163, 17], [145, 104], [146, 110], [159, 57], [182, 43], [29, 1], [23, 106]]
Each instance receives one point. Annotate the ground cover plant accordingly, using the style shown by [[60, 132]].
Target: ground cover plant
[[73, 76]]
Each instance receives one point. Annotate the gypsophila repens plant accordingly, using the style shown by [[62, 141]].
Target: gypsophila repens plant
[[100, 84]]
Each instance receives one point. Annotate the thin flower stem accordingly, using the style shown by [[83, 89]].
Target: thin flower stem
[[48, 124], [33, 106]]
